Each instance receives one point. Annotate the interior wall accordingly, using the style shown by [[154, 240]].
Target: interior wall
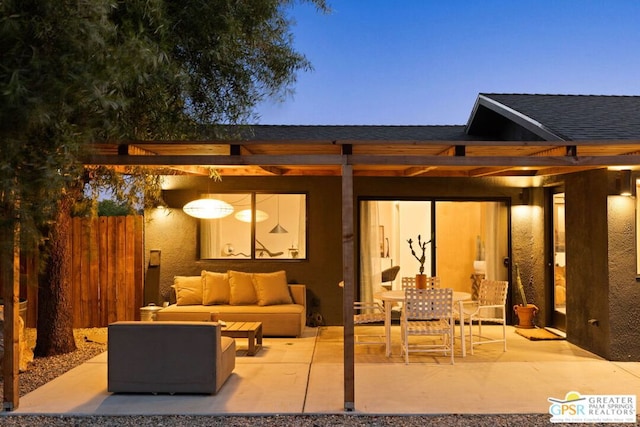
[[455, 256], [414, 218]]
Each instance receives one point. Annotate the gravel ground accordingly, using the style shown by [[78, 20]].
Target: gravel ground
[[288, 421], [91, 342], [44, 369]]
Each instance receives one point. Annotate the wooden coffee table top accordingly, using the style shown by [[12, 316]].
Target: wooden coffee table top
[[241, 326], [252, 331]]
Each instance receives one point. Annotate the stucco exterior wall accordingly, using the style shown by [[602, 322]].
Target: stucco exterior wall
[[587, 254], [624, 290], [528, 245], [600, 241], [176, 234]]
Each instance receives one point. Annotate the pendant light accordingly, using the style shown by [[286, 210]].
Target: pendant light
[[278, 229], [205, 208], [245, 215]]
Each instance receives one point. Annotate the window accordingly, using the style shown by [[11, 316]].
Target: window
[[264, 226]]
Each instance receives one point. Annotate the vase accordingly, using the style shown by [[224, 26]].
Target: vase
[[480, 267], [525, 314], [421, 281]]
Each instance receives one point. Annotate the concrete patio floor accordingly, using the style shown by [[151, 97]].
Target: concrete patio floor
[[305, 376]]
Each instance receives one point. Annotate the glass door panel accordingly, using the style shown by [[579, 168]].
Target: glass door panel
[[471, 243], [559, 263]]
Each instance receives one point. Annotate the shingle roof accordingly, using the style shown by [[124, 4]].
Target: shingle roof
[[579, 117], [507, 134], [356, 133]]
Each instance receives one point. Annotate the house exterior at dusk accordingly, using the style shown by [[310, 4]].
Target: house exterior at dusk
[[533, 157], [546, 183]]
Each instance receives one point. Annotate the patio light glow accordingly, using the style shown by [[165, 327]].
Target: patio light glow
[[208, 208]]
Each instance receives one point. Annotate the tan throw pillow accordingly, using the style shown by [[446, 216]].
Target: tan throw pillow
[[272, 288], [241, 288], [215, 288], [188, 290]]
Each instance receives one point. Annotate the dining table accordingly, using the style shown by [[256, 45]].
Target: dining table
[[390, 298]]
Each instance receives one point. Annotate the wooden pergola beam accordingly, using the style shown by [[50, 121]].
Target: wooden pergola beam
[[348, 276], [365, 159], [399, 142]]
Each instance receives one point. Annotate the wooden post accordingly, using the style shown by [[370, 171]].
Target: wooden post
[[10, 274], [348, 274]]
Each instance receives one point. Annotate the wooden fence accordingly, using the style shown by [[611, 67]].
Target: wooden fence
[[107, 270]]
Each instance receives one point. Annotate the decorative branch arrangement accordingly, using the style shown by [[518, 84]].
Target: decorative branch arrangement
[[423, 246], [480, 254], [523, 296]]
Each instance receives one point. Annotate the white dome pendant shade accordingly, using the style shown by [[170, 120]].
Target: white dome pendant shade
[[208, 208], [245, 215]]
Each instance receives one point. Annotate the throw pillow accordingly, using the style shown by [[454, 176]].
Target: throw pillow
[[272, 288], [215, 288], [241, 288], [188, 290]]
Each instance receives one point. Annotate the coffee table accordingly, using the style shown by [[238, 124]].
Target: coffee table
[[252, 331]]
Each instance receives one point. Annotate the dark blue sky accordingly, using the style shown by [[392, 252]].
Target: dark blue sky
[[423, 62]]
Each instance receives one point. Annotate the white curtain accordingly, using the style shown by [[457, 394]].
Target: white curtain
[[494, 240], [210, 246], [370, 279], [302, 232]]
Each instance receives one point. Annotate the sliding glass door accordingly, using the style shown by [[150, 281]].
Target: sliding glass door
[[466, 241]]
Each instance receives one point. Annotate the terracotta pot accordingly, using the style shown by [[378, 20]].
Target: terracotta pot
[[421, 281], [525, 315]]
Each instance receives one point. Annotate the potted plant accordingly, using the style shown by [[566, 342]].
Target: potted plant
[[421, 278], [525, 312]]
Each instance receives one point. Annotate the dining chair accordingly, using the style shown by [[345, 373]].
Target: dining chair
[[427, 312], [388, 276], [490, 307], [367, 313]]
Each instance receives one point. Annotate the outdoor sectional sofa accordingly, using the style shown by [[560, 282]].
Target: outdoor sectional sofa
[[237, 296], [168, 357]]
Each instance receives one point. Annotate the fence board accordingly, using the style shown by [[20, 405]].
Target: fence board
[[121, 298], [138, 263], [103, 275], [76, 271], [85, 286], [107, 270], [93, 283], [112, 280]]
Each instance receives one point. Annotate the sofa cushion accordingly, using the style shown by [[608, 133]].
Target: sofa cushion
[[241, 288], [215, 288], [188, 290], [272, 288]]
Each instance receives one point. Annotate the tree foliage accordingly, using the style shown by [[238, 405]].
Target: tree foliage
[[77, 72]]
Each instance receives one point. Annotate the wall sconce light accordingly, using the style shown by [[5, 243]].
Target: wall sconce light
[[205, 208], [624, 183], [154, 258], [524, 197]]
